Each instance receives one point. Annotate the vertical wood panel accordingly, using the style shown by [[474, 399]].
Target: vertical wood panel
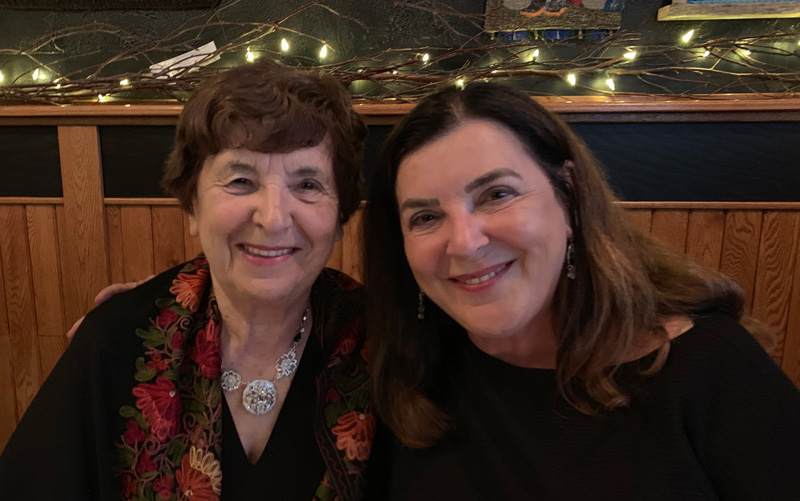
[[191, 244], [20, 302], [43, 243], [137, 242], [3, 310], [84, 255], [669, 227], [351, 246], [167, 238], [791, 352], [777, 254], [8, 408], [50, 350], [704, 237], [335, 260], [740, 250], [116, 252], [641, 219]]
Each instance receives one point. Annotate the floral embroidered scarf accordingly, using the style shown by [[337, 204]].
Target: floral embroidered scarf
[[171, 447]]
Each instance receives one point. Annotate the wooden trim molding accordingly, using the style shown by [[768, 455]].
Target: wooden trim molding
[[31, 201]]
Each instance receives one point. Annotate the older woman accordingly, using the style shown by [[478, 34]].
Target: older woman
[[529, 344], [238, 373]]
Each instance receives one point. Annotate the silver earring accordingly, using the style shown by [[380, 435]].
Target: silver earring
[[570, 260], [421, 307]]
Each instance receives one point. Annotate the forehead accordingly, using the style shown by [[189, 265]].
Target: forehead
[[467, 152], [241, 159]]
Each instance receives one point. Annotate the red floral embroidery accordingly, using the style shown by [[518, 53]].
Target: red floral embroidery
[[128, 486], [354, 433], [133, 433], [207, 352], [349, 338], [156, 363], [193, 483], [145, 464], [160, 406], [188, 288], [166, 318], [177, 340], [163, 486]]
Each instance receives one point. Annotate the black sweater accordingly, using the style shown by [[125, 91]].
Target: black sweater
[[719, 421]]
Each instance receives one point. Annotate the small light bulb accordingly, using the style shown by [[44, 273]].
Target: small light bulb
[[426, 57], [284, 45], [706, 53], [687, 36], [746, 52], [536, 53], [394, 72], [610, 83], [58, 86], [101, 98], [1, 76], [36, 74], [460, 82], [249, 55], [323, 52], [125, 82], [630, 54], [572, 79]]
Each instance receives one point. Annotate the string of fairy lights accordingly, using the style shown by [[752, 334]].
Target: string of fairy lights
[[616, 64]]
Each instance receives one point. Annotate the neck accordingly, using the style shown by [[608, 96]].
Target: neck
[[533, 348]]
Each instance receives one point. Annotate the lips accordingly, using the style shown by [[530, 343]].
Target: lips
[[481, 276], [267, 252]]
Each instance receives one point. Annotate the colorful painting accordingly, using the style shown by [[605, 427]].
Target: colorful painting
[[516, 15], [686, 10]]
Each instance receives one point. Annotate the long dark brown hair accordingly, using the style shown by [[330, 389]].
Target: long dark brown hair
[[626, 285]]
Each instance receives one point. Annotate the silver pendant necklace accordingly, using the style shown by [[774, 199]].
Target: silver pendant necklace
[[260, 395]]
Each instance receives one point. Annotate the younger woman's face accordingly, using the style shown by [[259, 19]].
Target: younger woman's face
[[484, 233]]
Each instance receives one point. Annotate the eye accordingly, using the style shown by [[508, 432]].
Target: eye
[[496, 193], [309, 185], [241, 185], [422, 219]]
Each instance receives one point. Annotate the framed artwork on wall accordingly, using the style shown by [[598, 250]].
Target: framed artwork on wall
[[517, 15], [686, 10]]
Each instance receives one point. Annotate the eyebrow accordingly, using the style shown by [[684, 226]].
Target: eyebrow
[[238, 166], [419, 203], [490, 176], [307, 171]]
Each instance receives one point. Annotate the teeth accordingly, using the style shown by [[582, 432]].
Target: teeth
[[267, 253], [474, 281]]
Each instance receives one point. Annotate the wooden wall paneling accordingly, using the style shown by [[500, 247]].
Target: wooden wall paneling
[[351, 246], [82, 239], [167, 238], [191, 245], [791, 351], [20, 302], [704, 237], [740, 247], [780, 238], [137, 242], [116, 252], [3, 312], [8, 407], [641, 219], [50, 350], [670, 227], [43, 244]]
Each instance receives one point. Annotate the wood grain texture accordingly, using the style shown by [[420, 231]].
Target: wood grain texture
[[704, 237], [116, 253], [50, 350], [167, 238], [8, 407], [3, 311], [137, 242], [43, 244], [351, 246], [791, 352], [335, 260], [84, 255], [641, 219], [780, 237], [739, 259], [670, 227], [20, 302]]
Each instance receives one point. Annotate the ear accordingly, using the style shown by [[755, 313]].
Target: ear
[[567, 174], [193, 231]]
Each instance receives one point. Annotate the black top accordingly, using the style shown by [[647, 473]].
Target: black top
[[290, 466], [719, 421]]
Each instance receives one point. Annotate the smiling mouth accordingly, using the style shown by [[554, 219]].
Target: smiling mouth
[[485, 276], [266, 252]]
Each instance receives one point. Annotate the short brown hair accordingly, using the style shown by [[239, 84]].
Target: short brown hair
[[625, 285], [268, 108]]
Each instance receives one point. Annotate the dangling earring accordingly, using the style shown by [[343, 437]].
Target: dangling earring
[[421, 307], [570, 259]]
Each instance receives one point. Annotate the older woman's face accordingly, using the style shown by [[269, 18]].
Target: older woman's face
[[267, 222], [484, 233]]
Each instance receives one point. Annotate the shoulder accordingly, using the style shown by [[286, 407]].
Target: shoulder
[[339, 302]]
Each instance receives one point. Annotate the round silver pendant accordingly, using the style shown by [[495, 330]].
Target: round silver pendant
[[231, 380], [286, 365], [259, 396]]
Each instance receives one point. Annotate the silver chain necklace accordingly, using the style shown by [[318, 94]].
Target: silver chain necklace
[[260, 395]]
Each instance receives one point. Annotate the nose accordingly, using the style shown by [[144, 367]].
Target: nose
[[466, 236], [271, 211]]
